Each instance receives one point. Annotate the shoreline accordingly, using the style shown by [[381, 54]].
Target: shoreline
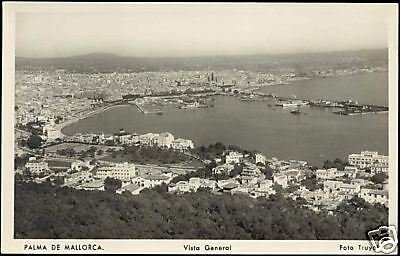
[[257, 90], [62, 125]]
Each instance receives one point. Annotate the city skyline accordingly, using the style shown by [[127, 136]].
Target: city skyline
[[201, 30]]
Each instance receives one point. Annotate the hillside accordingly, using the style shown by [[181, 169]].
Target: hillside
[[105, 62], [45, 211]]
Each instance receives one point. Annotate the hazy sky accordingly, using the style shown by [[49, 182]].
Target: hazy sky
[[189, 30]]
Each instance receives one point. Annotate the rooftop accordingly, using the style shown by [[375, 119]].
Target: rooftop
[[131, 187], [377, 192], [230, 185], [155, 177], [93, 184]]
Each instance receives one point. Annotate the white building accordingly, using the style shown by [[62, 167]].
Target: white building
[[380, 167], [233, 157], [182, 144], [126, 139], [35, 166], [135, 138], [121, 171], [281, 180], [327, 174], [375, 196], [293, 174], [133, 188], [351, 171], [251, 174], [180, 187], [263, 189], [367, 159], [163, 140], [332, 186], [224, 168], [361, 182], [79, 177], [260, 158], [349, 190], [152, 180], [195, 183], [93, 185], [77, 165], [147, 139], [53, 134]]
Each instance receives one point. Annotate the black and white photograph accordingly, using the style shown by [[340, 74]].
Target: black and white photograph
[[211, 124]]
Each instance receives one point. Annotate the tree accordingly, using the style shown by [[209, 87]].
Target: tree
[[114, 154], [379, 178], [34, 141], [292, 188], [237, 169], [337, 163], [20, 161], [43, 211], [311, 183], [278, 188], [22, 143], [301, 201], [92, 149], [162, 188], [112, 184], [268, 172]]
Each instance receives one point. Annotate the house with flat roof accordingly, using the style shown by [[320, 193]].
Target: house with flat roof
[[93, 185], [369, 159], [180, 187], [375, 196], [233, 157], [151, 180], [122, 171], [37, 166], [132, 188]]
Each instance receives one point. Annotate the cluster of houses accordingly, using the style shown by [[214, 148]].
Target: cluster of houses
[[162, 140], [251, 180], [335, 185], [354, 180], [83, 175]]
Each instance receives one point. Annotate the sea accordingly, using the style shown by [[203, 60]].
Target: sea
[[314, 135]]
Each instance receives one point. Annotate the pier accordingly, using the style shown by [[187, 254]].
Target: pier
[[348, 107]]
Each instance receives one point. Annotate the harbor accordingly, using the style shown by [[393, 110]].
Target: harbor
[[347, 107]]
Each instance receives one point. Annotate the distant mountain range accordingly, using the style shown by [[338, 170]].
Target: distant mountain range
[[107, 62]]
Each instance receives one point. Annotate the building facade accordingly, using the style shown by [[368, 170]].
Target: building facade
[[36, 166], [182, 144], [233, 157], [368, 159], [375, 196], [121, 171]]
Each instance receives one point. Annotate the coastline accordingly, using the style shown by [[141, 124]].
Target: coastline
[[62, 125]]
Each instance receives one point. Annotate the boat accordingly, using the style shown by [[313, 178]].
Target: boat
[[290, 104], [295, 112]]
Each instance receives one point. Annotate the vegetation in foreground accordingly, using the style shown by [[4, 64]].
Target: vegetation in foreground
[[46, 211]]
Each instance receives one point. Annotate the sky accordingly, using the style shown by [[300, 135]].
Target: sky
[[200, 29]]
